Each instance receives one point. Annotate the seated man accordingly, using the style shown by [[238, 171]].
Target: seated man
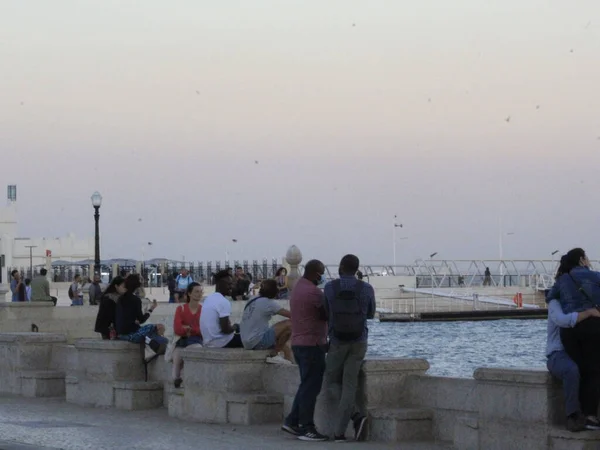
[[241, 285], [40, 288], [579, 416], [255, 331], [215, 327]]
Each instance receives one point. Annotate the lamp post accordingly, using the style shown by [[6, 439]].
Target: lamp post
[[554, 253], [396, 225], [432, 272], [31, 247], [96, 203]]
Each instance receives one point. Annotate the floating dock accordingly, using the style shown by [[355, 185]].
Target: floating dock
[[454, 316]]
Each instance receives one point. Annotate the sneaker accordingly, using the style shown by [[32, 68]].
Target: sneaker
[[311, 434], [340, 439], [592, 423], [277, 359], [576, 422], [177, 382], [294, 430], [360, 428]]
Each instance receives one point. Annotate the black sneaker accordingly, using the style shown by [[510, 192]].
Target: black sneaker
[[576, 423], [591, 423], [360, 429], [311, 434], [294, 430], [177, 382], [340, 439]]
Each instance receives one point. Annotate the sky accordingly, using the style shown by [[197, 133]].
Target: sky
[[280, 122]]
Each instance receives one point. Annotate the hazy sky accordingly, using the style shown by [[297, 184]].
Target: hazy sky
[[355, 111]]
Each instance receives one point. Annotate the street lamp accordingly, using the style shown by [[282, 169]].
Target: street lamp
[[396, 225], [31, 247], [554, 253], [96, 203]]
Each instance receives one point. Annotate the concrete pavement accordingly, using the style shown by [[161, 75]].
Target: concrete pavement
[[51, 424]]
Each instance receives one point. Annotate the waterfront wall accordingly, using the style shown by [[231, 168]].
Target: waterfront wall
[[499, 409]]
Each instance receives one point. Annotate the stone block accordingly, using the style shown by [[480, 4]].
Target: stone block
[[135, 395], [42, 383], [64, 357], [253, 409], [108, 361], [518, 395], [500, 434], [402, 424], [24, 351], [561, 439], [71, 389], [224, 370], [93, 393], [384, 380], [175, 402], [466, 433]]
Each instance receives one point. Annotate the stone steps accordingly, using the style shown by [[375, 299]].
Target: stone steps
[[561, 439], [400, 424]]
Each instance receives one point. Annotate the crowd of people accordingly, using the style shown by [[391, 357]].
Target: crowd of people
[[324, 331], [573, 338]]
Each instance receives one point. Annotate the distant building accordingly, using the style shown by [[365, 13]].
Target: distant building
[[15, 250]]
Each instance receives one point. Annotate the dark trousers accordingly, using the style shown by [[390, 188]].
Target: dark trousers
[[581, 344], [311, 363]]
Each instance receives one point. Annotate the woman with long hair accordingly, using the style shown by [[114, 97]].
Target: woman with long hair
[[186, 326], [108, 306], [577, 288], [130, 317], [282, 283]]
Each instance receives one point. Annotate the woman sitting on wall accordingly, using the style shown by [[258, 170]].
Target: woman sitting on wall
[[577, 288], [108, 307], [186, 326], [130, 317], [282, 283]]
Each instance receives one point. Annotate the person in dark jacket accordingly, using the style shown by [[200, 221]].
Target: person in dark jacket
[[130, 317], [108, 306]]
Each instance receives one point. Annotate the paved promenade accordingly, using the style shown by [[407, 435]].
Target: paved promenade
[[48, 424]]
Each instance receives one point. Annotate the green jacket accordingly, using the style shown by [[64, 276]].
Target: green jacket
[[40, 289]]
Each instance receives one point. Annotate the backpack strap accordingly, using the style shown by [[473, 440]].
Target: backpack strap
[[251, 301], [579, 287]]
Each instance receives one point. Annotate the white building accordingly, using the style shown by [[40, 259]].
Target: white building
[[16, 250]]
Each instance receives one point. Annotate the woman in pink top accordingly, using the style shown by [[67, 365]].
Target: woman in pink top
[[187, 327]]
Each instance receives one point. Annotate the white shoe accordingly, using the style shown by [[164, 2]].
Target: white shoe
[[277, 359]]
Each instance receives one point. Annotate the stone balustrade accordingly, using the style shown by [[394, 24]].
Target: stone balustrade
[[497, 409]]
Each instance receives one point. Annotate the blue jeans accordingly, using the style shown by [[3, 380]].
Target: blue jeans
[[171, 298], [268, 340], [311, 363], [561, 366]]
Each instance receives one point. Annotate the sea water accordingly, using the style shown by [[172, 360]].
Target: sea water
[[456, 349]]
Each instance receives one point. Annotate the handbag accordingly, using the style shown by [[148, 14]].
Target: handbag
[[171, 345]]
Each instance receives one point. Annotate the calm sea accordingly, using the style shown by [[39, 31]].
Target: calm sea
[[456, 349]]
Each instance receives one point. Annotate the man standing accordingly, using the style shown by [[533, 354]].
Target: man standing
[[309, 339], [40, 288], [95, 291], [349, 302], [182, 282], [15, 285], [215, 327]]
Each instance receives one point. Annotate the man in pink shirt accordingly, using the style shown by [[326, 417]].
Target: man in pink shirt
[[309, 340]]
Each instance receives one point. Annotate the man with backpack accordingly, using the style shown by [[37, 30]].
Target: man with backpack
[[349, 302], [182, 281]]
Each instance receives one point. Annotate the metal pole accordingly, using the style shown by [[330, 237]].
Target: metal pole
[[31, 247], [394, 244], [97, 241]]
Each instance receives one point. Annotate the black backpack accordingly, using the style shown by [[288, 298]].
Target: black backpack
[[70, 293], [346, 312]]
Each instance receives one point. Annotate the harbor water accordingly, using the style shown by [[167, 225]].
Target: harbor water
[[456, 349]]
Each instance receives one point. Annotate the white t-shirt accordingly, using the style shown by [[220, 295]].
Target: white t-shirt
[[215, 307]]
